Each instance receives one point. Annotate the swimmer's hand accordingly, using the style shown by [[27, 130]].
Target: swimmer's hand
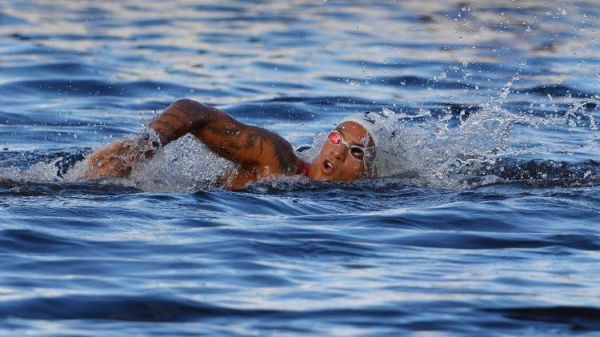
[[118, 158]]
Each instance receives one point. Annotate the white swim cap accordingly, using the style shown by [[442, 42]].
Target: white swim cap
[[380, 129], [367, 121]]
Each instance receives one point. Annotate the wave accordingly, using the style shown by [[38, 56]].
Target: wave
[[171, 309], [405, 81], [578, 318], [32, 188], [556, 90], [93, 87], [120, 308], [278, 111], [539, 173], [165, 309], [73, 69]]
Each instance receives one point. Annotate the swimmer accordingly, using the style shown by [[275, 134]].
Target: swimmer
[[348, 153]]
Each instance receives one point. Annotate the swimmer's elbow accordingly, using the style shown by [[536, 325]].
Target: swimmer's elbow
[[181, 117], [197, 114]]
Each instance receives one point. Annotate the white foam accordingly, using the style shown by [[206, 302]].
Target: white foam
[[183, 165]]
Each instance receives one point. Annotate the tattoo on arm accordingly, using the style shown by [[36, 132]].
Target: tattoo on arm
[[283, 152], [252, 140], [250, 145]]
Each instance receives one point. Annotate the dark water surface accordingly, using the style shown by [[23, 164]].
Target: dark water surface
[[487, 224]]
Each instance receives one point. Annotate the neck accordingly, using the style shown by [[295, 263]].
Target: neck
[[303, 168]]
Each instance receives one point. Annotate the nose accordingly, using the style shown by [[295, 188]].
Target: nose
[[339, 152]]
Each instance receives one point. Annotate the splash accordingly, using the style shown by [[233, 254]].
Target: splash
[[447, 149], [184, 165]]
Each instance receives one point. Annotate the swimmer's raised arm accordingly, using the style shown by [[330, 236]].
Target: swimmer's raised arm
[[257, 150], [248, 145]]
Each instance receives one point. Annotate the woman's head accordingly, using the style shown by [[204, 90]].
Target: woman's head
[[347, 154]]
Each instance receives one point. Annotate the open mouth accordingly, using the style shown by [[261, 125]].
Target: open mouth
[[327, 167]]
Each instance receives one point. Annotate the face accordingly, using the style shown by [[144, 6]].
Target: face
[[342, 161]]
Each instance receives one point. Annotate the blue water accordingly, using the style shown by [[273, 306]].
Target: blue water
[[487, 226]]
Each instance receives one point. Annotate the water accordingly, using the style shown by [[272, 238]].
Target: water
[[484, 223]]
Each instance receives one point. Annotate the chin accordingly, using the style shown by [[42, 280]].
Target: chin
[[319, 176]]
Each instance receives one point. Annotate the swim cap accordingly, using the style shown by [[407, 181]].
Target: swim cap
[[380, 129], [368, 121]]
